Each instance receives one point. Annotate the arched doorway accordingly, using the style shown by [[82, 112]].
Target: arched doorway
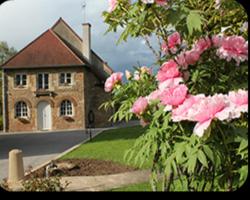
[[44, 120]]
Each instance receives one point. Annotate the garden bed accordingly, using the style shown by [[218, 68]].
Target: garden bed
[[84, 167]]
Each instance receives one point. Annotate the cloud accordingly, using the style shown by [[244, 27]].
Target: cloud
[[21, 21]]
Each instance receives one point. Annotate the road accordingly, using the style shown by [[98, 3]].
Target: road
[[37, 147]]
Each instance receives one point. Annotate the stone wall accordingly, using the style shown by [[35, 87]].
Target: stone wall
[[75, 93], [94, 97]]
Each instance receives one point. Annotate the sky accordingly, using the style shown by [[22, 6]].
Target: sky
[[21, 21]]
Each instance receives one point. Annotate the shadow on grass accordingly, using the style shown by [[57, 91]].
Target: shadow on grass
[[127, 133]]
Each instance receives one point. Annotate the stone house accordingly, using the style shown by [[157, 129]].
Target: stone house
[[55, 83]]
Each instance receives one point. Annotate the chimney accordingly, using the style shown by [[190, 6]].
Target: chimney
[[86, 46]]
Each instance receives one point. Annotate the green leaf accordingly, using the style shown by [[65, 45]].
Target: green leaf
[[209, 153], [192, 163], [202, 158], [194, 21]]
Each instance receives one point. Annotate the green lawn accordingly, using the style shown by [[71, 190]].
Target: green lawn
[[110, 145], [142, 187]]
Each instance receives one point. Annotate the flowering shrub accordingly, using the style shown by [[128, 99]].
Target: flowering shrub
[[196, 105]]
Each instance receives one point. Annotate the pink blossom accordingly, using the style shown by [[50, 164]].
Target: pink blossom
[[238, 103], [172, 82], [145, 69], [174, 96], [202, 44], [233, 47], [161, 2], [181, 112], [192, 57], [154, 95], [164, 47], [139, 106], [128, 74], [200, 127], [112, 5], [168, 70], [180, 59], [114, 79], [137, 75], [217, 40], [208, 107], [174, 39]]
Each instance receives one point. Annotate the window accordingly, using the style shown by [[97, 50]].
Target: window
[[65, 79], [21, 80], [66, 108], [21, 109], [43, 81]]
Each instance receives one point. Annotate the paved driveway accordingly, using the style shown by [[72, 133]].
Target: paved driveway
[[37, 147]]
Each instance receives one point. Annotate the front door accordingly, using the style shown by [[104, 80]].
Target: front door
[[44, 116]]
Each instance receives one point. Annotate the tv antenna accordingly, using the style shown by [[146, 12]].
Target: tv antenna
[[84, 5]]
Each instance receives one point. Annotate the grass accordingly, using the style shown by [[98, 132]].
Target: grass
[[140, 187], [110, 145]]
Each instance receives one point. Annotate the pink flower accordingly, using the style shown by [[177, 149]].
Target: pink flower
[[239, 98], [164, 47], [161, 2], [174, 39], [181, 112], [139, 106], [174, 96], [238, 103], [192, 57], [154, 95], [206, 110], [208, 107], [233, 47], [145, 69], [168, 70], [217, 40], [172, 82], [128, 74], [180, 59], [112, 5], [202, 45], [137, 75], [114, 79]]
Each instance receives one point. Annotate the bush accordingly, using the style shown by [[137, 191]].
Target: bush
[[52, 184]]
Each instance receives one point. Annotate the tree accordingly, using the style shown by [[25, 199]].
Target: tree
[[196, 131], [6, 52]]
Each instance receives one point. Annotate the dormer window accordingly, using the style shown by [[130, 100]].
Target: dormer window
[[65, 79], [20, 80]]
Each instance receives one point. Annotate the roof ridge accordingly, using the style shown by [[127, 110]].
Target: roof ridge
[[71, 29]]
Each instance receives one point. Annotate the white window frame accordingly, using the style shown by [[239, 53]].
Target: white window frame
[[66, 112], [65, 83], [43, 81], [22, 110], [21, 80]]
